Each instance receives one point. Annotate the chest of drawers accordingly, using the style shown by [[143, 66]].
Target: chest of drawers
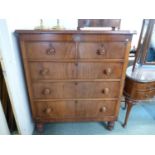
[[74, 75]]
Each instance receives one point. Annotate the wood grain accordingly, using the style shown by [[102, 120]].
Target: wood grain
[[74, 75]]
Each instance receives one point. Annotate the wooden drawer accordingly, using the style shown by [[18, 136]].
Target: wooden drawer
[[81, 70], [52, 70], [102, 70], [57, 109], [67, 90], [54, 90], [98, 89], [75, 109], [142, 95], [145, 86], [50, 50], [106, 50]]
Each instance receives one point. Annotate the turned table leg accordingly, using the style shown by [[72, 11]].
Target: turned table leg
[[110, 125], [39, 127], [129, 104]]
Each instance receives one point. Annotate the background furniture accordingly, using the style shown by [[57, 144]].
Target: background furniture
[[140, 78], [110, 23], [74, 75]]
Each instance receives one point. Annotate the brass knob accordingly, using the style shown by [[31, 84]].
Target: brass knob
[[105, 91], [107, 71], [103, 109], [44, 71], [47, 91], [48, 110]]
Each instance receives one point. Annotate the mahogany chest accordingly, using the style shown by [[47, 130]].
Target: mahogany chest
[[74, 75]]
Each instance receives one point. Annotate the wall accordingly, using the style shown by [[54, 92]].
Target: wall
[[4, 130], [126, 24]]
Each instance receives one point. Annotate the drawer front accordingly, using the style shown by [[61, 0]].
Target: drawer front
[[95, 108], [55, 109], [98, 89], [75, 109], [54, 90], [99, 70], [142, 95], [145, 86], [52, 70], [81, 70], [106, 50], [50, 50], [67, 90]]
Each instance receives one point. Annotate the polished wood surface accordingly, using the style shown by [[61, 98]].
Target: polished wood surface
[[68, 90], [74, 75], [76, 70]]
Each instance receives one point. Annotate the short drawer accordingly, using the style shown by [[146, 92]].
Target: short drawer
[[142, 95], [148, 86], [69, 90], [75, 109], [50, 50], [80, 70], [106, 50]]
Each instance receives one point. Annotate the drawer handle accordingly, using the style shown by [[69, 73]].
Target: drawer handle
[[48, 110], [146, 95], [51, 50], [46, 91], [107, 71], [44, 71], [101, 50], [103, 109], [105, 91]]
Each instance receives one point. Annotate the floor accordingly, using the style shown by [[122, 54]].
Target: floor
[[141, 122]]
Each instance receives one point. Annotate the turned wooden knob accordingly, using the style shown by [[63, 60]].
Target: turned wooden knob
[[146, 95], [101, 50], [51, 51], [107, 71], [47, 91], [44, 71], [48, 110], [103, 109], [105, 91]]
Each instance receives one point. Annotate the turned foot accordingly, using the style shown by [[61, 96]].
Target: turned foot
[[129, 104], [110, 125], [40, 127]]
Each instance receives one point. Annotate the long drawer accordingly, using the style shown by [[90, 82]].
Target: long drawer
[[67, 90], [71, 50], [80, 70], [68, 109]]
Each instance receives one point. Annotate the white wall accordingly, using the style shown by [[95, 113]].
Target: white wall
[[14, 79], [4, 130], [126, 24]]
